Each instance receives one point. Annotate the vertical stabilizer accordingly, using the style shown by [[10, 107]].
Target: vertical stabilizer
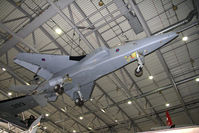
[[169, 121]]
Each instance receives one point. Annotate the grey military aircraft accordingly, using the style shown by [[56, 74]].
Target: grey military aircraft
[[75, 75], [10, 108]]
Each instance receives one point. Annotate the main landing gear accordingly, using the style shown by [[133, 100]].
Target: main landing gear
[[59, 89], [36, 77], [79, 100], [139, 69]]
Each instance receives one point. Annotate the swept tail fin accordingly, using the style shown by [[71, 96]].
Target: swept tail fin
[[169, 121]]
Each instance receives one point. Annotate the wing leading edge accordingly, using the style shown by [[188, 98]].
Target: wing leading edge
[[44, 65]]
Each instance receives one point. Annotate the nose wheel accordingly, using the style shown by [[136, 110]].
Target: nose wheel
[[79, 102], [139, 69], [138, 72]]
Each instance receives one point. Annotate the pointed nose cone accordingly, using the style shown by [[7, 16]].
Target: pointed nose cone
[[171, 35], [163, 39], [155, 42]]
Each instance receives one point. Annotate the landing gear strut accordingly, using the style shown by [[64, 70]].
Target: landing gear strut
[[139, 69], [79, 100], [59, 89]]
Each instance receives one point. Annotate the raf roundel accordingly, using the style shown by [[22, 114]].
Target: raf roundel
[[117, 50], [43, 59]]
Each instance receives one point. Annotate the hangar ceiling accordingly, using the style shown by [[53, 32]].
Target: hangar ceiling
[[120, 101]]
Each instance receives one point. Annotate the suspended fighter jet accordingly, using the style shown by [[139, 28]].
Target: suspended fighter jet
[[75, 75]]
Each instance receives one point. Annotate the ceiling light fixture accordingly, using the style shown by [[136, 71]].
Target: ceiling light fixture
[[46, 115], [63, 110], [103, 110], [81, 118], [101, 3], [58, 31], [90, 128], [74, 131], [27, 83], [45, 128], [9, 93], [116, 120], [167, 104], [3, 69], [197, 79], [129, 102], [151, 77], [185, 38]]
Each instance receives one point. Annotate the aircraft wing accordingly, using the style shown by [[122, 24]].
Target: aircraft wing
[[11, 107], [86, 90], [44, 65]]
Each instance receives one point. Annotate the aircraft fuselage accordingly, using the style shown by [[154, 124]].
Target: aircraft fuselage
[[103, 60]]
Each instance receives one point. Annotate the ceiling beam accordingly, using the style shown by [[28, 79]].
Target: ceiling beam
[[53, 40], [33, 25], [42, 29], [18, 38], [70, 116], [57, 9], [132, 19], [130, 119], [97, 34]]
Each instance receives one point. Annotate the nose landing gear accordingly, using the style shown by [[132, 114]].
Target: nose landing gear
[[139, 69], [138, 72]]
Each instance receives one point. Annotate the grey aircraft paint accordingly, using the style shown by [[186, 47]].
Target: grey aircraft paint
[[76, 75]]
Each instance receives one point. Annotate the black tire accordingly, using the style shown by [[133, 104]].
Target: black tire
[[60, 91], [56, 88], [79, 102], [138, 74], [36, 78]]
